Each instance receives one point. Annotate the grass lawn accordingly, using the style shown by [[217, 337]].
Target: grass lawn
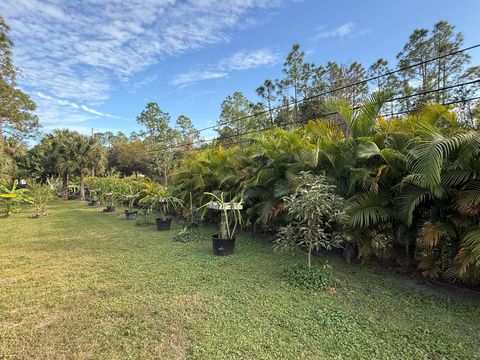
[[85, 284]]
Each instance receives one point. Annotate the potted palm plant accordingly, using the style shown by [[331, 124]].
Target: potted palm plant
[[110, 202], [91, 184], [223, 243], [156, 198], [130, 213]]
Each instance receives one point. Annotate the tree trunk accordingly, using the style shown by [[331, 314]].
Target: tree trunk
[[82, 186], [223, 225], [65, 185], [309, 257], [165, 176]]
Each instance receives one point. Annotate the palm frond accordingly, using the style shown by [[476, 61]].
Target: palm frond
[[368, 114], [367, 150], [369, 209], [427, 157], [408, 201]]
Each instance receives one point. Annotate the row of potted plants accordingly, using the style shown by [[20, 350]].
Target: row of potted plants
[[151, 197]]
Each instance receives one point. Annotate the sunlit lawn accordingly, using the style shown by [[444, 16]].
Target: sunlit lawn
[[85, 284]]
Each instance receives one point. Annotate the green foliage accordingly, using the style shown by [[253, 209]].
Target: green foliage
[[399, 176], [317, 217], [317, 277], [187, 235], [7, 167], [41, 195], [230, 214], [155, 197], [13, 197], [16, 107], [110, 191]]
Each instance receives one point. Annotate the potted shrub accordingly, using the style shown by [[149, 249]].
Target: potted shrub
[[111, 192], [92, 184], [223, 243], [92, 197], [130, 213], [156, 198], [110, 202]]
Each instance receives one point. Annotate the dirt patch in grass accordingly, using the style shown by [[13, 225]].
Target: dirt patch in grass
[[174, 344]]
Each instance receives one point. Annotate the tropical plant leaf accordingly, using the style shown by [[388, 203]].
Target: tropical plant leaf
[[409, 199], [369, 209], [427, 157]]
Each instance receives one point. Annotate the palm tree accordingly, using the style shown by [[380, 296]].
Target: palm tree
[[60, 143], [424, 168], [85, 153], [412, 183]]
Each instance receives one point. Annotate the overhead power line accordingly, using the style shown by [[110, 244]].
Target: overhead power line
[[405, 112], [421, 93], [332, 91]]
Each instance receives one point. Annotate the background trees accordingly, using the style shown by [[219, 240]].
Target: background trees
[[239, 115], [301, 94], [87, 155], [162, 140], [16, 118]]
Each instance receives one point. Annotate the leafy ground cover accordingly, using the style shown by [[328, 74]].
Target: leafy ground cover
[[80, 283]]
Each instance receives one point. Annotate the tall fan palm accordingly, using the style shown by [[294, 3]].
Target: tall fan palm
[[86, 153], [61, 144]]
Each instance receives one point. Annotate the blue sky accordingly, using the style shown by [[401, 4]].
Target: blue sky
[[97, 64]]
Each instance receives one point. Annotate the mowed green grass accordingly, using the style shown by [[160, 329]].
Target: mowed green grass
[[85, 284]]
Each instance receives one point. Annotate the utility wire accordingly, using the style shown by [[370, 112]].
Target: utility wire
[[421, 93], [324, 93], [249, 140]]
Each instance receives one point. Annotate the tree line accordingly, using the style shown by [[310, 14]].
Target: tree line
[[300, 95]]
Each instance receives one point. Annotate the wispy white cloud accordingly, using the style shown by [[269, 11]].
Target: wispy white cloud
[[347, 30], [241, 60], [195, 76], [144, 82], [82, 51], [341, 31], [244, 60], [73, 105]]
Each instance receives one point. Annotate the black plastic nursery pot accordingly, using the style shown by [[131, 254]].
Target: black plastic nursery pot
[[163, 225], [131, 215], [109, 209], [223, 247]]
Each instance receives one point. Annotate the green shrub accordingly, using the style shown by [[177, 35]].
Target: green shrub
[[317, 217], [12, 198], [313, 278], [41, 195], [144, 218], [187, 235], [155, 197]]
